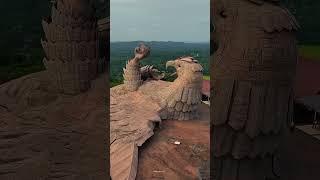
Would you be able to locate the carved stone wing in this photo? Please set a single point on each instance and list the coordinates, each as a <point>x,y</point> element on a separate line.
<point>151,72</point>
<point>182,104</point>
<point>132,116</point>
<point>278,19</point>
<point>249,119</point>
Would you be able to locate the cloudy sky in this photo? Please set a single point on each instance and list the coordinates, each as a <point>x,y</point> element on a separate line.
<point>160,20</point>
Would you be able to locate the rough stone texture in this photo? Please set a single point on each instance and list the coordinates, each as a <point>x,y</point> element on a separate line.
<point>181,98</point>
<point>204,170</point>
<point>131,112</point>
<point>46,135</point>
<point>178,100</point>
<point>252,98</point>
<point>71,45</point>
<point>104,26</point>
<point>132,116</point>
<point>130,125</point>
<point>151,72</point>
<point>136,105</point>
<point>124,160</point>
<point>132,74</point>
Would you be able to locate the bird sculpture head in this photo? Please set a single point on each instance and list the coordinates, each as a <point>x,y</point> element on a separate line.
<point>188,69</point>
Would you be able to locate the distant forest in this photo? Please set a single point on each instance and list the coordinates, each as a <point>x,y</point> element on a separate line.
<point>21,31</point>
<point>161,52</point>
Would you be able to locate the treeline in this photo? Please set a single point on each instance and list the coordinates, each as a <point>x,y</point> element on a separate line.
<point>161,52</point>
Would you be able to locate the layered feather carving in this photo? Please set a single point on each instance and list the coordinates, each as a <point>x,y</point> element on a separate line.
<point>182,104</point>
<point>71,46</point>
<point>149,71</point>
<point>254,119</point>
<point>252,99</point>
<point>182,98</point>
<point>278,19</point>
<point>132,72</point>
<point>132,76</point>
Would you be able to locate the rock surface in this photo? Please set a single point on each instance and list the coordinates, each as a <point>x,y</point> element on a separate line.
<point>133,118</point>
<point>47,135</point>
<point>142,100</point>
<point>160,158</point>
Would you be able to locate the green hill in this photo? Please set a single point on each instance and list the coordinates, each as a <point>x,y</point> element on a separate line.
<point>161,52</point>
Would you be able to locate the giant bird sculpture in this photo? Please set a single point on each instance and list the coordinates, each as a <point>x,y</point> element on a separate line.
<point>252,71</point>
<point>178,100</point>
<point>138,102</point>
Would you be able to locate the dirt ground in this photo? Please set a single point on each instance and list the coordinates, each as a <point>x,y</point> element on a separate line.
<point>160,158</point>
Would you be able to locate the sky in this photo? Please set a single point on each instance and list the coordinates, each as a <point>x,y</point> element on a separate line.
<point>160,20</point>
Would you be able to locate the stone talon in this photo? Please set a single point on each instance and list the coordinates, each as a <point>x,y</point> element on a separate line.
<point>141,52</point>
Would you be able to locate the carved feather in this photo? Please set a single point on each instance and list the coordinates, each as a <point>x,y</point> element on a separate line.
<point>185,95</point>
<point>171,103</point>
<point>281,116</point>
<point>45,47</point>
<point>255,116</point>
<point>178,95</point>
<point>185,107</point>
<point>222,138</point>
<point>164,114</point>
<point>278,20</point>
<point>46,30</point>
<point>69,52</point>
<point>54,13</point>
<point>52,50</point>
<point>222,100</point>
<point>176,115</point>
<point>181,117</point>
<point>240,106</point>
<point>187,116</point>
<point>270,107</point>
<point>265,117</point>
<point>179,106</point>
<point>190,94</point>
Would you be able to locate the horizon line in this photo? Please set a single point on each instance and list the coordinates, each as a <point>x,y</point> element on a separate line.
<point>162,41</point>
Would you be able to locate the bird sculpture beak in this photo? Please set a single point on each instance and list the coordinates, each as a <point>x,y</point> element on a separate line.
<point>170,63</point>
